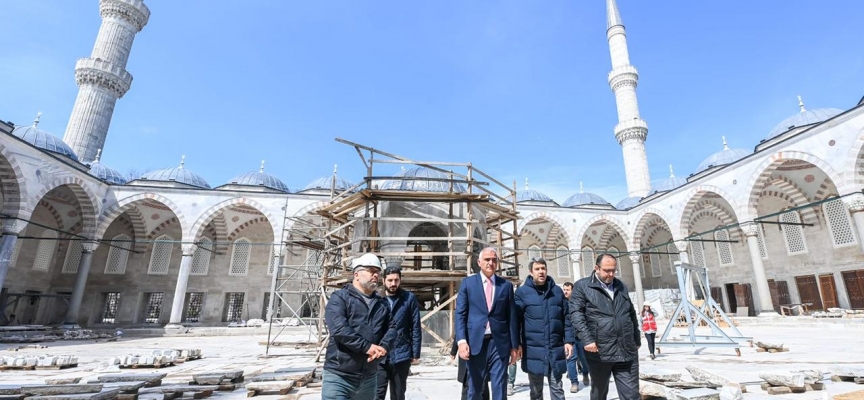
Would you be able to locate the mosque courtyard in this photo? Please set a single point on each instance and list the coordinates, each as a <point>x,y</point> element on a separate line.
<point>812,344</point>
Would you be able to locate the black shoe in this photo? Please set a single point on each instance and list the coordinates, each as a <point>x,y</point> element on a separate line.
<point>586,380</point>
<point>653,356</point>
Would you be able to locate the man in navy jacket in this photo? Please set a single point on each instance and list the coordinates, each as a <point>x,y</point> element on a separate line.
<point>486,327</point>
<point>405,314</point>
<point>361,334</point>
<point>547,337</point>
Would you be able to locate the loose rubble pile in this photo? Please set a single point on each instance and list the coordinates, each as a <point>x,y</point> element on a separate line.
<point>156,359</point>
<point>764,347</point>
<point>792,382</point>
<point>38,362</point>
<point>708,386</point>
<point>71,334</point>
<point>838,313</point>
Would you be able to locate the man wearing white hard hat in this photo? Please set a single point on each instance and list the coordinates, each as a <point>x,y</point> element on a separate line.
<point>360,334</point>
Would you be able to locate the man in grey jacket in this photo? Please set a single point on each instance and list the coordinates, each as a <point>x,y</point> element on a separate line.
<point>606,322</point>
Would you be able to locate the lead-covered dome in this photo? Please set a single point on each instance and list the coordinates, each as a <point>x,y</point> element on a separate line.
<point>628,203</point>
<point>527,195</point>
<point>583,199</point>
<point>104,173</point>
<point>803,118</point>
<point>665,185</point>
<point>422,179</point>
<point>722,157</point>
<point>43,140</point>
<point>260,179</point>
<point>324,183</point>
<point>177,174</point>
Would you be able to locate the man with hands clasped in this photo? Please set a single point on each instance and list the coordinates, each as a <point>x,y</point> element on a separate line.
<point>361,332</point>
<point>606,322</point>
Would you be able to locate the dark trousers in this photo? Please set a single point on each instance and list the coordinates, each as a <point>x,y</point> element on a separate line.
<point>395,376</point>
<point>487,365</point>
<point>485,390</point>
<point>649,337</point>
<point>626,379</point>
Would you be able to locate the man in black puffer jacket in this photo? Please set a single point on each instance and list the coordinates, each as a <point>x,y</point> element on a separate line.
<point>361,334</point>
<point>547,339</point>
<point>605,321</point>
<point>405,312</point>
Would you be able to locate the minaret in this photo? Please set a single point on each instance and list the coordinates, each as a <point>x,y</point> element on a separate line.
<point>631,130</point>
<point>102,78</point>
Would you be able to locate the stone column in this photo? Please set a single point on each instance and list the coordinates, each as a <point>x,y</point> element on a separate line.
<point>71,319</point>
<point>11,229</point>
<point>180,289</point>
<point>763,300</point>
<point>273,297</point>
<point>682,251</point>
<point>637,278</point>
<point>855,203</point>
<point>577,270</point>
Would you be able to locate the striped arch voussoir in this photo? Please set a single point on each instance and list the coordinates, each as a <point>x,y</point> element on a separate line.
<point>14,187</point>
<point>647,218</point>
<point>853,170</point>
<point>605,219</point>
<point>129,205</point>
<point>695,196</point>
<point>766,169</point>
<point>213,212</point>
<point>86,201</point>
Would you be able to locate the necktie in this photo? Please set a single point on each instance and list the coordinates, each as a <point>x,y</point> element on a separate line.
<point>488,298</point>
<point>489,294</point>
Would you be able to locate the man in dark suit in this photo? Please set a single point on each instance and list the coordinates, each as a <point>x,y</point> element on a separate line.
<point>487,331</point>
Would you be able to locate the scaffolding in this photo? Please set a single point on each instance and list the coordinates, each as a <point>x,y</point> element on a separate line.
<point>431,219</point>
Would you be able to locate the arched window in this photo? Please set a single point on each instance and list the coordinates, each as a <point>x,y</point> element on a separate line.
<point>274,258</point>
<point>793,235</point>
<point>160,257</point>
<point>18,244</point>
<point>45,251</point>
<point>724,249</point>
<point>534,251</point>
<point>201,258</point>
<point>562,261</point>
<point>839,223</point>
<point>656,269</point>
<point>672,249</point>
<point>698,254</point>
<point>587,260</point>
<point>760,239</point>
<point>73,258</point>
<point>240,253</point>
<point>118,255</point>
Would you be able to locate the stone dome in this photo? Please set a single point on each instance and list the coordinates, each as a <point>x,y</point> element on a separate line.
<point>260,178</point>
<point>416,180</point>
<point>628,203</point>
<point>582,199</point>
<point>722,157</point>
<point>803,118</point>
<point>177,174</point>
<point>104,173</point>
<point>323,183</point>
<point>43,140</point>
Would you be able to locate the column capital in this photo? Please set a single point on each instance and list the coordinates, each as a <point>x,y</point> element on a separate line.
<point>681,245</point>
<point>576,256</point>
<point>855,202</point>
<point>89,246</point>
<point>634,258</point>
<point>13,226</point>
<point>188,249</point>
<point>751,229</point>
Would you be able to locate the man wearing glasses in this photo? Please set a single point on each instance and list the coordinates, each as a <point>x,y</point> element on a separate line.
<point>605,321</point>
<point>486,327</point>
<point>361,333</point>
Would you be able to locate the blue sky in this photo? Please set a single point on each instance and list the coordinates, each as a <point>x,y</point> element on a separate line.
<point>518,88</point>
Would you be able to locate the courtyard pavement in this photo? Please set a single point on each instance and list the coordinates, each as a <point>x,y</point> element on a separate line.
<point>812,345</point>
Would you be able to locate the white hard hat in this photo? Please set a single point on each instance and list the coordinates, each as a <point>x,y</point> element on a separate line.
<point>366,260</point>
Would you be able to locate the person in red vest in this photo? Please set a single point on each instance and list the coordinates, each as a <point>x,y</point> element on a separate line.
<point>649,327</point>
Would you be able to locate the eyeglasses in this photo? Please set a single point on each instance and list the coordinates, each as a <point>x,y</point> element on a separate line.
<point>373,271</point>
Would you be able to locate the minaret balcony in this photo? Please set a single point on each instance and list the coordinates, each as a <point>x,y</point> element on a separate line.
<point>622,74</point>
<point>632,129</point>
<point>101,72</point>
